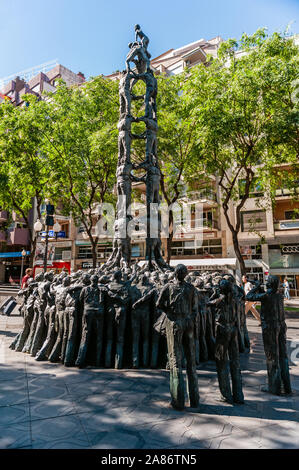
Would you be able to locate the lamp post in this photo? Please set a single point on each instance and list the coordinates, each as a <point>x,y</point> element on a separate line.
<point>38,226</point>
<point>24,253</point>
<point>56,228</point>
<point>49,222</point>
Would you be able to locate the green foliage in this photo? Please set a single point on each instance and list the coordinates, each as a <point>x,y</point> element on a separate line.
<point>246,103</point>
<point>83,146</point>
<point>24,166</point>
<point>247,109</point>
<point>178,144</point>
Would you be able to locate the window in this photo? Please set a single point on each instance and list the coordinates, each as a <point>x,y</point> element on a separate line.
<point>60,253</point>
<point>284,256</point>
<point>65,228</point>
<point>255,274</point>
<point>253,221</point>
<point>84,252</point>
<point>207,218</point>
<point>251,251</point>
<point>255,188</point>
<point>290,215</point>
<point>208,247</point>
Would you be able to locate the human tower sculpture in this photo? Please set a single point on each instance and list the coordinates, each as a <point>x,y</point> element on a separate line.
<point>121,255</point>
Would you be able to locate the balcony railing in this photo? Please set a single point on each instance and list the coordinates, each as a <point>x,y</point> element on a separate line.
<point>201,196</point>
<point>285,192</point>
<point>286,224</point>
<point>196,225</point>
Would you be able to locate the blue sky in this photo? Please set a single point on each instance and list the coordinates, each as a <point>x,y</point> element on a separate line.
<point>92,35</point>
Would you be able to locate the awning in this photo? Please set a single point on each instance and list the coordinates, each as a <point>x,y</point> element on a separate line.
<point>284,271</point>
<point>203,262</point>
<point>16,254</point>
<point>231,262</point>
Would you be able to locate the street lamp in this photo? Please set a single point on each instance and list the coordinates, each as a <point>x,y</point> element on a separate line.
<point>23,253</point>
<point>38,226</point>
<point>56,228</point>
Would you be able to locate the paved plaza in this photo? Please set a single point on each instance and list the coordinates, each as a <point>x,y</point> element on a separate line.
<point>47,406</point>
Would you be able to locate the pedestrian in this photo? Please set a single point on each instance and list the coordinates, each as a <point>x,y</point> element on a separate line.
<point>286,288</point>
<point>250,306</point>
<point>28,275</point>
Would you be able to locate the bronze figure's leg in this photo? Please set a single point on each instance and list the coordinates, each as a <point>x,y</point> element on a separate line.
<point>22,337</point>
<point>28,343</point>
<point>221,357</point>
<point>86,332</point>
<point>120,333</point>
<point>174,346</point>
<point>189,349</point>
<point>204,355</point>
<point>39,334</point>
<point>235,370</point>
<point>109,336</point>
<point>56,351</point>
<point>136,325</point>
<point>283,360</point>
<point>99,320</point>
<point>270,338</point>
<point>49,342</point>
<point>69,359</point>
<point>145,325</point>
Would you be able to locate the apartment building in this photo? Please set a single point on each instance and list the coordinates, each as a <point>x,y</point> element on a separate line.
<point>17,87</point>
<point>269,236</point>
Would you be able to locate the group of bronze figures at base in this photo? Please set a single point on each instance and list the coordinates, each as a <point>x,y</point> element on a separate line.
<point>121,317</point>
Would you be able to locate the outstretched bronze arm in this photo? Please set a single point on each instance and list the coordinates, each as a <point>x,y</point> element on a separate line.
<point>144,298</point>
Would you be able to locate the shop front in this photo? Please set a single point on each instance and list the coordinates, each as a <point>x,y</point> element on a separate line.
<point>56,266</point>
<point>12,265</point>
<point>284,262</point>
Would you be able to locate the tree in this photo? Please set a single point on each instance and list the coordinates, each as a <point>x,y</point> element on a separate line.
<point>24,167</point>
<point>178,143</point>
<point>82,143</point>
<point>247,117</point>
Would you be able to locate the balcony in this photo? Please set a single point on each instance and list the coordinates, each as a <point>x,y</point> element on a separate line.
<point>284,193</point>
<point>286,225</point>
<point>203,196</point>
<point>188,229</point>
<point>19,236</point>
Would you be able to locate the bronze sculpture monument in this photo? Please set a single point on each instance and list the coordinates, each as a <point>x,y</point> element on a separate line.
<point>119,314</point>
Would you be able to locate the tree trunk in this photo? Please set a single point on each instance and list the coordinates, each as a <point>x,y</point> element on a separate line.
<point>238,252</point>
<point>94,254</point>
<point>32,252</point>
<point>170,238</point>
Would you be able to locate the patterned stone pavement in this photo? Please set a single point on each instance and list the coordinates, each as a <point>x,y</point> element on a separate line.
<point>47,406</point>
